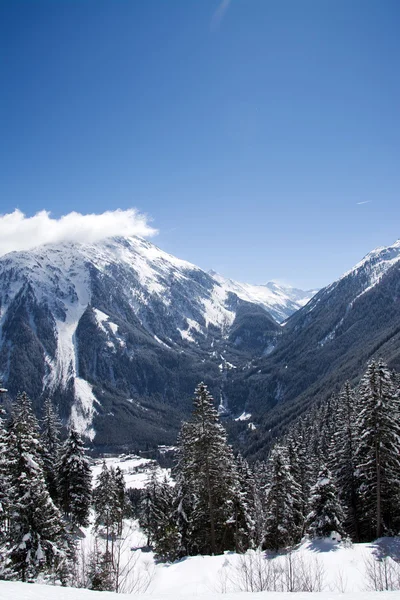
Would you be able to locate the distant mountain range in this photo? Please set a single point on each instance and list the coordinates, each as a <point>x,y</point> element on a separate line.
<point>281,301</point>
<point>119,332</point>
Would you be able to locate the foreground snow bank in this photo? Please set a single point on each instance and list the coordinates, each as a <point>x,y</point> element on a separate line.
<point>26,591</point>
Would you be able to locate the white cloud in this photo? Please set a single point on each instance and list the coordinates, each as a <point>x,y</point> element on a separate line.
<point>219,14</point>
<point>365,202</point>
<point>19,232</point>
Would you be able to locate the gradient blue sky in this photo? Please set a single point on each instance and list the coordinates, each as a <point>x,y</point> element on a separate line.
<point>250,136</point>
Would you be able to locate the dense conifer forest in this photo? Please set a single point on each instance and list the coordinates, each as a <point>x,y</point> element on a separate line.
<point>334,474</point>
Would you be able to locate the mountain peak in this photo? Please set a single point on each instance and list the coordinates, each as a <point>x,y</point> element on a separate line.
<point>279,300</point>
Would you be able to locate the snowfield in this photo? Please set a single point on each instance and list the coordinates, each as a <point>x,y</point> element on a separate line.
<point>26,591</point>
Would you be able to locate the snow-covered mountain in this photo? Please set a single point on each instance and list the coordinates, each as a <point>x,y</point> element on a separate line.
<point>280,301</point>
<point>328,341</point>
<point>105,327</point>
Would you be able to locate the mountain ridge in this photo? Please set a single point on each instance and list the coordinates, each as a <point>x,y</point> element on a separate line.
<point>119,321</point>
<point>279,300</point>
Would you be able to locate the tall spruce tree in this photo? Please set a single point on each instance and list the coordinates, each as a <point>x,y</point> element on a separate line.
<point>247,533</point>
<point>326,514</point>
<point>301,471</point>
<point>105,502</point>
<point>4,488</point>
<point>344,459</point>
<point>377,454</point>
<point>165,534</point>
<point>74,480</point>
<point>207,479</point>
<point>37,540</point>
<point>282,524</point>
<point>121,502</point>
<point>50,438</point>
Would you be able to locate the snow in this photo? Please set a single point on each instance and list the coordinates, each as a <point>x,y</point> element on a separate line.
<point>26,591</point>
<point>136,469</point>
<point>216,312</point>
<point>339,568</point>
<point>244,417</point>
<point>279,300</point>
<point>160,341</point>
<point>372,267</point>
<point>82,411</point>
<point>106,325</point>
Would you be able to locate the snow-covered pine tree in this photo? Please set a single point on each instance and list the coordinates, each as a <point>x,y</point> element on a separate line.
<point>282,516</point>
<point>74,480</point>
<point>50,438</point>
<point>105,501</point>
<point>326,514</point>
<point>344,459</point>
<point>37,540</point>
<point>121,502</point>
<point>210,479</point>
<point>262,482</point>
<point>166,539</point>
<point>184,490</point>
<point>4,472</point>
<point>377,454</point>
<point>146,513</point>
<point>248,534</point>
<point>301,469</point>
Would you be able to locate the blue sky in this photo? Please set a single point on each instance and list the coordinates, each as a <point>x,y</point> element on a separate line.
<point>250,130</point>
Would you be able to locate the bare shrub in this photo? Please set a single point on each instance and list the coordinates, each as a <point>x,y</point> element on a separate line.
<point>382,574</point>
<point>117,569</point>
<point>257,572</point>
<point>340,583</point>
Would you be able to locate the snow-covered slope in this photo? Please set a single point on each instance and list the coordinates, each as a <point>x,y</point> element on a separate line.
<point>281,301</point>
<point>330,340</point>
<point>26,591</point>
<point>112,319</point>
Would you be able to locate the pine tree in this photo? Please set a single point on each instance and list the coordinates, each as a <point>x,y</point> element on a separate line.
<point>184,489</point>
<point>4,488</point>
<point>74,481</point>
<point>121,502</point>
<point>326,515</point>
<point>301,471</point>
<point>37,539</point>
<point>247,534</point>
<point>207,480</point>
<point>105,501</point>
<point>378,459</point>
<point>165,533</point>
<point>50,438</point>
<point>346,439</point>
<point>282,518</point>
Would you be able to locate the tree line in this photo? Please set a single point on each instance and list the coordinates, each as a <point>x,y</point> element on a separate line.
<point>335,473</point>
<point>46,497</point>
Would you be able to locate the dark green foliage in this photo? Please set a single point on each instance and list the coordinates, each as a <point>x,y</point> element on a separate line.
<point>377,455</point>
<point>74,481</point>
<point>358,435</point>
<point>158,518</point>
<point>37,540</point>
<point>345,460</point>
<point>282,523</point>
<point>326,515</point>
<point>50,438</point>
<point>207,482</point>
